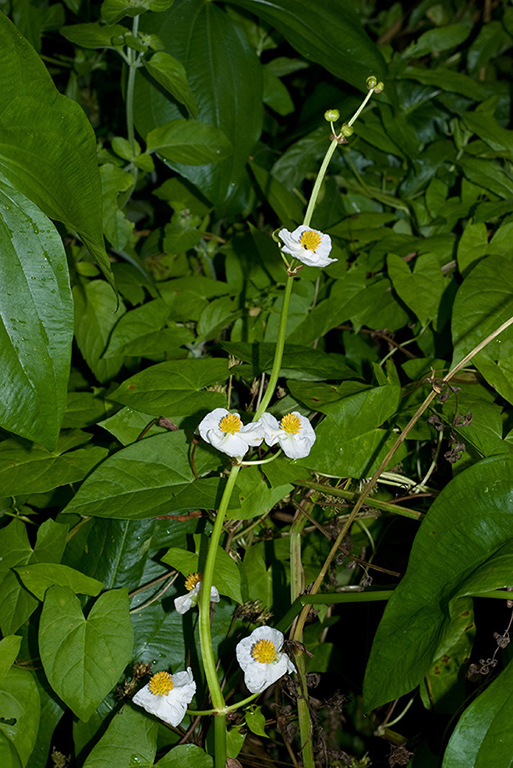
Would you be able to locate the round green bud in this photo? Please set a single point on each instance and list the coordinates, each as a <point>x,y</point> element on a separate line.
<point>380,87</point>
<point>346,130</point>
<point>331,115</point>
<point>371,82</point>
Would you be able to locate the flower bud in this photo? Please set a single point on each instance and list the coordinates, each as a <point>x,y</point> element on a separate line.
<point>346,130</point>
<point>380,87</point>
<point>371,82</point>
<point>331,115</point>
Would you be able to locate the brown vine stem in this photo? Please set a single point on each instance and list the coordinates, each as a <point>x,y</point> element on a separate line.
<point>374,479</point>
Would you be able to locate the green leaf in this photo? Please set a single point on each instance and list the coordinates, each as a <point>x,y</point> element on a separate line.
<point>189,142</point>
<point>47,144</point>
<point>448,80</point>
<point>114,10</point>
<point>472,246</point>
<point>96,313</point>
<point>488,174</point>
<point>463,547</point>
<point>143,480</point>
<point>253,496</point>
<point>94,35</point>
<point>83,658</point>
<point>39,577</point>
<point>483,737</point>
<point>483,302</point>
<point>438,39</point>
<point>234,742</point>
<point>136,325</point>
<point>171,75</point>
<point>36,325</point>
<point>349,443</point>
<point>20,708</point>
<point>422,289</point>
<point>255,721</point>
<point>330,34</point>
<point>28,468</point>
<point>185,755</point>
<point>118,229</point>
<point>227,89</point>
<point>299,362</point>
<point>130,739</point>
<point>9,649</point>
<point>174,388</point>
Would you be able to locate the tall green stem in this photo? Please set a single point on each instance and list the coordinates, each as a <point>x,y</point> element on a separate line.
<point>278,354</point>
<point>318,182</point>
<point>132,68</point>
<point>207,654</point>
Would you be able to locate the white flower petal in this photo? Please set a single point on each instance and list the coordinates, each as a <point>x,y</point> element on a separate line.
<point>318,257</point>
<point>170,708</point>
<point>185,602</point>
<point>236,444</point>
<point>260,675</point>
<point>271,429</point>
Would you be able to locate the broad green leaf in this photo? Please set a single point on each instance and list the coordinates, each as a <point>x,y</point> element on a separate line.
<point>47,145</point>
<point>29,468</point>
<point>143,480</point>
<point>438,39</point>
<point>488,174</point>
<point>285,204</point>
<point>349,443</point>
<point>174,388</point>
<point>447,79</point>
<point>483,736</point>
<point>114,10</point>
<point>189,142</point>
<point>36,325</point>
<point>227,89</point>
<point>330,34</point>
<point>218,314</point>
<point>52,711</point>
<point>86,408</point>
<point>298,362</point>
<point>39,577</point>
<point>96,313</point>
<point>422,289</point>
<point>94,35</point>
<point>83,658</point>
<point>9,648</point>
<point>171,75</point>
<point>20,708</point>
<point>472,246</point>
<point>118,229</point>
<point>253,496</point>
<point>128,425</point>
<point>463,547</point>
<point>16,602</point>
<point>487,128</point>
<point>137,324</point>
<point>130,739</point>
<point>484,301</point>
<point>185,755</point>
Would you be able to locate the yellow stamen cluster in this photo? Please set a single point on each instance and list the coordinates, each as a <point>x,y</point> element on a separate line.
<point>161,683</point>
<point>291,423</point>
<point>193,579</point>
<point>264,651</point>
<point>310,240</point>
<point>230,424</point>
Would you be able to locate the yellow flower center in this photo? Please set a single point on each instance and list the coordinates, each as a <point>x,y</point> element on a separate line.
<point>193,579</point>
<point>230,423</point>
<point>310,240</point>
<point>264,651</point>
<point>161,684</point>
<point>291,423</point>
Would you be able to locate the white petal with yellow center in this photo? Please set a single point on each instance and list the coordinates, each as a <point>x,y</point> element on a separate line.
<point>307,245</point>
<point>294,434</point>
<point>185,602</point>
<point>226,432</point>
<point>171,706</point>
<point>261,659</point>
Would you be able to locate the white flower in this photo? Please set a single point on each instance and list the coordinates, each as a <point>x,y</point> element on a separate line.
<point>294,433</point>
<point>260,658</point>
<point>225,431</point>
<point>193,584</point>
<point>307,245</point>
<point>167,696</point>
